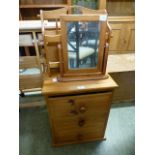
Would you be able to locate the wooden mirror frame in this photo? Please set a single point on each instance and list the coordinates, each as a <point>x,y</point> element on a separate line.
<point>99,71</point>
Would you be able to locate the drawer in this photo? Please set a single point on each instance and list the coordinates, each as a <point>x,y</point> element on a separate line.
<point>79,122</point>
<point>73,106</point>
<point>25,40</point>
<point>78,135</point>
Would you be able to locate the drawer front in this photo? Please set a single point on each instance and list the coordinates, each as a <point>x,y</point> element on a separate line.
<point>79,122</point>
<point>78,135</point>
<point>25,40</point>
<point>67,107</point>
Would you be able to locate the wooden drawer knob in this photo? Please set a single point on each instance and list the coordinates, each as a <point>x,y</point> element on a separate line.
<point>71,101</point>
<point>81,122</point>
<point>82,109</point>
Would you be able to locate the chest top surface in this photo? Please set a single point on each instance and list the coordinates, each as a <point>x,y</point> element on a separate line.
<point>51,86</point>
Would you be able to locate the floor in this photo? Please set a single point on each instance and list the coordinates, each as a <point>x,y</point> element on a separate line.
<point>35,136</point>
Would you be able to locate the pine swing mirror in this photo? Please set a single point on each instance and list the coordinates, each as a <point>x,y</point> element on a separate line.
<point>83,54</point>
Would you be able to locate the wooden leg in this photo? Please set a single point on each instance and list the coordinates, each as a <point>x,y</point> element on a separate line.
<point>49,71</point>
<point>27,51</point>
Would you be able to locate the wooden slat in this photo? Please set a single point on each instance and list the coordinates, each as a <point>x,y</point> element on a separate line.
<point>121,19</point>
<point>54,64</point>
<point>31,104</point>
<point>89,11</point>
<point>28,62</point>
<point>37,49</point>
<point>102,4</point>
<point>43,6</point>
<point>52,39</point>
<point>69,2</point>
<point>51,32</point>
<point>30,81</point>
<point>31,90</point>
<point>54,14</point>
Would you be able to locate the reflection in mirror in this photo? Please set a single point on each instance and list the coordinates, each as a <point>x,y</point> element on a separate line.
<point>83,42</point>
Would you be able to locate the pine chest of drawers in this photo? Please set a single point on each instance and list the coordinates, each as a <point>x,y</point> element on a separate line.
<point>78,111</point>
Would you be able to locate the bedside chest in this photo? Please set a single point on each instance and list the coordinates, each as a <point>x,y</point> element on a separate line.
<point>78,111</point>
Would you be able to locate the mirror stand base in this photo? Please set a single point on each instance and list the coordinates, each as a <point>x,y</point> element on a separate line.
<point>83,78</point>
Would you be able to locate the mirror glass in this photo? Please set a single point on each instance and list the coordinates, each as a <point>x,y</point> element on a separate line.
<point>82,44</point>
